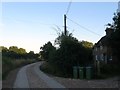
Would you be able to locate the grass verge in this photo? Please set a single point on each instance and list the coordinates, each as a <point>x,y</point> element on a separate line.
<point>9,64</point>
<point>51,69</point>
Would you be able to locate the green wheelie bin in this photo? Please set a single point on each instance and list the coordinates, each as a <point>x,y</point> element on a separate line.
<point>81,72</point>
<point>88,72</point>
<point>75,72</point>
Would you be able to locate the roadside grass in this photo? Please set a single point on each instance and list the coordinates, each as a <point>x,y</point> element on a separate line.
<point>51,69</point>
<point>9,64</point>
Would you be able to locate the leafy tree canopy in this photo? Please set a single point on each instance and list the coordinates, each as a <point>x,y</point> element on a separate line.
<point>87,44</point>
<point>3,48</point>
<point>46,49</point>
<point>70,53</point>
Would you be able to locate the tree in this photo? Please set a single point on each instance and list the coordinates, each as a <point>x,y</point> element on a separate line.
<point>87,44</point>
<point>61,37</point>
<point>71,53</point>
<point>18,53</point>
<point>114,39</point>
<point>22,51</point>
<point>31,55</point>
<point>4,48</point>
<point>14,49</point>
<point>4,51</point>
<point>88,49</point>
<point>45,50</point>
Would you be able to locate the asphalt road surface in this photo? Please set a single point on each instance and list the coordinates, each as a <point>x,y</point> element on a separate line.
<point>30,76</point>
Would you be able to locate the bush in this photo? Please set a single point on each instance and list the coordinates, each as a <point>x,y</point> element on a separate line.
<point>110,70</point>
<point>51,69</point>
<point>70,53</point>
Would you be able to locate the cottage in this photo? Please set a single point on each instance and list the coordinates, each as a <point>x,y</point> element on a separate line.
<point>102,51</point>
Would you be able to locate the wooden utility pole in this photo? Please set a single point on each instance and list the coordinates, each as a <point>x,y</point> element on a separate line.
<point>65,28</point>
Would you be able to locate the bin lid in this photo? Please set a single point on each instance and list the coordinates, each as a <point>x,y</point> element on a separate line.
<point>89,67</point>
<point>80,67</point>
<point>74,66</point>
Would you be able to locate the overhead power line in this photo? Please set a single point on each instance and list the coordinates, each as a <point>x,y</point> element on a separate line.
<point>83,27</point>
<point>28,21</point>
<point>68,7</point>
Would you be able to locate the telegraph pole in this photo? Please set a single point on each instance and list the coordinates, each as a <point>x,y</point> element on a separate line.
<point>65,28</point>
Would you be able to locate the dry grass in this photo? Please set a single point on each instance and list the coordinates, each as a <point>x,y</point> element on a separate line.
<point>9,64</point>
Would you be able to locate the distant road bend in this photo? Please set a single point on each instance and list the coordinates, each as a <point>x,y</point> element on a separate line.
<point>30,76</point>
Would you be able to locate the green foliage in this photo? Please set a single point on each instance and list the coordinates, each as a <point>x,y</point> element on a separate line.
<point>15,57</point>
<point>14,49</point>
<point>32,55</point>
<point>3,48</point>
<point>51,69</point>
<point>87,44</point>
<point>114,43</point>
<point>18,53</point>
<point>110,70</point>
<point>70,53</point>
<point>45,50</point>
<point>114,39</point>
<point>61,37</point>
<point>22,51</point>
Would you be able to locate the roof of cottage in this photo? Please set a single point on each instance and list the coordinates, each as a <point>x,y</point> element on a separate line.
<point>104,40</point>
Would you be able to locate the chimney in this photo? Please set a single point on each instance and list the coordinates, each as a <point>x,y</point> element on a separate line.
<point>109,31</point>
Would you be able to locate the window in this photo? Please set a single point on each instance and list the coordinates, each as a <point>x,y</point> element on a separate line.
<point>102,57</point>
<point>106,59</point>
<point>96,49</point>
<point>96,57</point>
<point>110,58</point>
<point>101,47</point>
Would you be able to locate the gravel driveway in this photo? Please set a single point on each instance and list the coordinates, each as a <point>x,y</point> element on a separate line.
<point>76,83</point>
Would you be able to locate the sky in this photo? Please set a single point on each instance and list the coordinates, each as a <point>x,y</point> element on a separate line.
<point>32,24</point>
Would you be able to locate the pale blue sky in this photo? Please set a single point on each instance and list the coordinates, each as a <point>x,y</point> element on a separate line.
<point>30,25</point>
